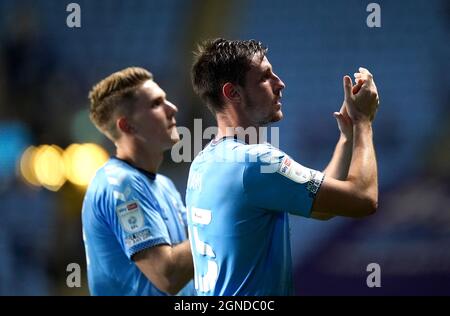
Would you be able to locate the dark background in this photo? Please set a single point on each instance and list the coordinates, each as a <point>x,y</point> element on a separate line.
<point>47,69</point>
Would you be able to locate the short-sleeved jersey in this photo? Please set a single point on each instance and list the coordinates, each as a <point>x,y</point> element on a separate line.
<point>126,210</point>
<point>238,199</point>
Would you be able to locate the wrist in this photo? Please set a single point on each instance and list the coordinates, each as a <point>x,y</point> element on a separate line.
<point>346,139</point>
<point>362,127</point>
<point>364,123</point>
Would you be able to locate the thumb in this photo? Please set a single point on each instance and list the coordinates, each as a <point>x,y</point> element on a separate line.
<point>337,116</point>
<point>347,82</point>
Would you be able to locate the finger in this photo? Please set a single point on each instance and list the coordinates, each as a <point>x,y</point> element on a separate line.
<point>364,71</point>
<point>347,82</point>
<point>360,76</point>
<point>358,86</point>
<point>367,84</point>
<point>339,118</point>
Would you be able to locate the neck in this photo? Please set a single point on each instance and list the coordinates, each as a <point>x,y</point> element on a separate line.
<point>140,157</point>
<point>230,124</point>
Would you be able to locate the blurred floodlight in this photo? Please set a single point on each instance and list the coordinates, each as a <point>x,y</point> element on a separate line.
<point>48,167</point>
<point>82,161</point>
<point>26,166</point>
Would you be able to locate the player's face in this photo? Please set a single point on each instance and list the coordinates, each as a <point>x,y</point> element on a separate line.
<point>262,93</point>
<point>153,119</point>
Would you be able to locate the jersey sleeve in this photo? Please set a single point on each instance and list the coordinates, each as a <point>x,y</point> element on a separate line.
<point>272,180</point>
<point>135,217</point>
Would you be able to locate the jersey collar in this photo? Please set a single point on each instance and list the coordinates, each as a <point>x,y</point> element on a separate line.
<point>150,175</point>
<point>215,141</point>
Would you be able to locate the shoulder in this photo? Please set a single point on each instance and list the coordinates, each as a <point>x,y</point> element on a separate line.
<point>264,153</point>
<point>117,179</point>
<point>166,182</point>
<point>233,150</point>
<point>263,160</point>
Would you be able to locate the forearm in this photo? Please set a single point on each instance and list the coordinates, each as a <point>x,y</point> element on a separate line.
<point>337,169</point>
<point>363,166</point>
<point>169,268</point>
<point>182,265</point>
<point>340,162</point>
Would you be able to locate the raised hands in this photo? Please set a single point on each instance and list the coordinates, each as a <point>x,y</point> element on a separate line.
<point>344,122</point>
<point>361,100</point>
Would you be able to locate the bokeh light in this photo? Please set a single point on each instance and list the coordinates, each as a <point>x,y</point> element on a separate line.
<point>26,166</point>
<point>48,167</point>
<point>82,161</point>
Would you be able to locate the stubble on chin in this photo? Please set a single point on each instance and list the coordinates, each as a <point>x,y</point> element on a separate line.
<point>274,117</point>
<point>174,136</point>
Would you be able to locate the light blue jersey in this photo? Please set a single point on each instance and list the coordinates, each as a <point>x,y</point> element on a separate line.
<point>238,199</point>
<point>126,210</point>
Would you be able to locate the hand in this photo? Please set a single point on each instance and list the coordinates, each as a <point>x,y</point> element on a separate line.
<point>344,122</point>
<point>361,99</point>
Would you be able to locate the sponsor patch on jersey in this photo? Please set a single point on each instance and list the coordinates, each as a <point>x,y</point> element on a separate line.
<point>201,216</point>
<point>294,171</point>
<point>130,216</point>
<point>138,237</point>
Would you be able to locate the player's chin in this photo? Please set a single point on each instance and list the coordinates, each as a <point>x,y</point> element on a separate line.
<point>174,137</point>
<point>170,143</point>
<point>277,116</point>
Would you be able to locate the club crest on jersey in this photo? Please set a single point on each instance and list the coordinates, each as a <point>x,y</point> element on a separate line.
<point>130,216</point>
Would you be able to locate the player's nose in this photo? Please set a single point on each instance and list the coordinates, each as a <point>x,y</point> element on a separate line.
<point>170,108</point>
<point>279,84</point>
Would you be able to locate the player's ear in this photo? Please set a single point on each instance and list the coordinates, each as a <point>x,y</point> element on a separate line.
<point>231,93</point>
<point>124,125</point>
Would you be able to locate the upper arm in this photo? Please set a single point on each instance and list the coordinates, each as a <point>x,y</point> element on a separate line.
<point>277,182</point>
<point>135,218</point>
<point>321,216</point>
<point>342,198</point>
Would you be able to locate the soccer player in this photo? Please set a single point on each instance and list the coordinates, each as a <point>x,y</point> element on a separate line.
<point>134,221</point>
<point>240,191</point>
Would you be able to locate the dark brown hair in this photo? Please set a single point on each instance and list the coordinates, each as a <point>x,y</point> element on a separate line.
<point>219,61</point>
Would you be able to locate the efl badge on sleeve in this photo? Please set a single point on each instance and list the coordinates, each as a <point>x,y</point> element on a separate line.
<point>130,216</point>
<point>295,171</point>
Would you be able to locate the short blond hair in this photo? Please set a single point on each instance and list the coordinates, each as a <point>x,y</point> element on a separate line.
<point>112,95</point>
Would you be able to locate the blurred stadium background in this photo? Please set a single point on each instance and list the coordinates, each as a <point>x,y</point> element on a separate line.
<point>49,149</point>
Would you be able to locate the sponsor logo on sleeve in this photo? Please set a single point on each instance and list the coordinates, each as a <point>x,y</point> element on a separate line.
<point>138,237</point>
<point>294,171</point>
<point>130,216</point>
<point>315,182</point>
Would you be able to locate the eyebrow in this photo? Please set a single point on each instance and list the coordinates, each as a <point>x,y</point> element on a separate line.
<point>160,97</point>
<point>266,70</point>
